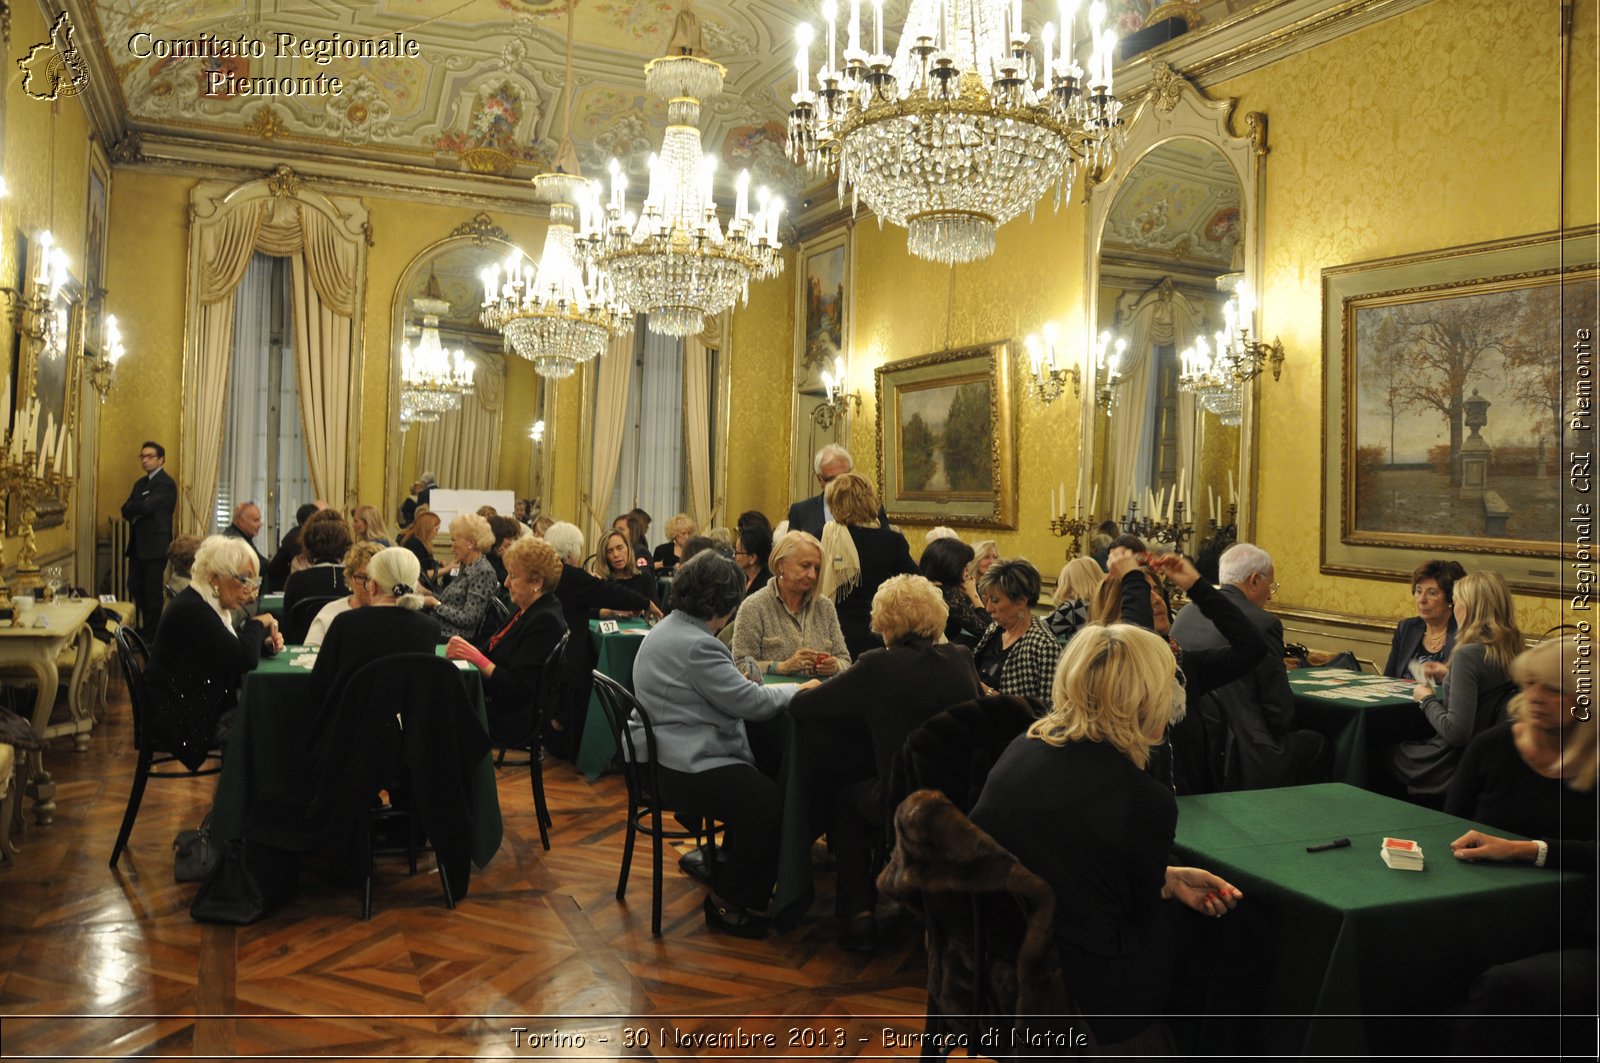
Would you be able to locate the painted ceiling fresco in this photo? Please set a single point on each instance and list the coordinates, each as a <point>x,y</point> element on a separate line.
<point>478,86</point>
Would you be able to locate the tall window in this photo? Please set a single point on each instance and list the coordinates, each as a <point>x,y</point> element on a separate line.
<point>652,471</point>
<point>263,447</point>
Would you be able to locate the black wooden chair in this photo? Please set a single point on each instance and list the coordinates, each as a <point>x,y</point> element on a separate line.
<point>496,615</point>
<point>298,623</point>
<point>133,655</point>
<point>550,689</point>
<point>644,802</point>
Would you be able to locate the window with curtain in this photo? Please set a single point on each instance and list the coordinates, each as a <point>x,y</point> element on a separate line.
<point>263,444</point>
<point>653,462</point>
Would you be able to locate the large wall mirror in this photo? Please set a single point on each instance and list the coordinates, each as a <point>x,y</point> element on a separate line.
<point>462,447</point>
<point>1175,229</point>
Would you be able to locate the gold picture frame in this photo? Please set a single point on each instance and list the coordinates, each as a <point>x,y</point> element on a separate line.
<point>1447,394</point>
<point>921,480</point>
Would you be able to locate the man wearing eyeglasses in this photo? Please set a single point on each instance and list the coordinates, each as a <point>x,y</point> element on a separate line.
<point>149,512</point>
<point>810,514</point>
<point>1258,709</point>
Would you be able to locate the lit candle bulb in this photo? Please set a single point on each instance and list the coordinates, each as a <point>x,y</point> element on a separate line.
<point>777,211</point>
<point>803,35</point>
<point>1069,13</point>
<point>741,203</point>
<point>853,42</point>
<point>877,27</point>
<point>1048,35</point>
<point>830,12</point>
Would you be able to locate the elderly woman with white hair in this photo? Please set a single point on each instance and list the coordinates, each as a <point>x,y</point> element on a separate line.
<point>199,656</point>
<point>1071,799</point>
<point>392,621</point>
<point>583,598</point>
<point>850,728</point>
<point>460,606</point>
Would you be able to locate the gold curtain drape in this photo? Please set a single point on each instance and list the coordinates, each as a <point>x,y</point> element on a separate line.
<point>462,448</point>
<point>613,376</point>
<point>697,424</point>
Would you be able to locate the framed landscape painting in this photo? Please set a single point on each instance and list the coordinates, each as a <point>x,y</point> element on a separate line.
<point>1448,395</point>
<point>946,452</point>
<point>823,309</point>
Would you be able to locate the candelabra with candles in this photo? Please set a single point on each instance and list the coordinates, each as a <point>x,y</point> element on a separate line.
<point>103,369</point>
<point>839,404</point>
<point>1046,380</point>
<point>1217,376</point>
<point>1108,352</point>
<point>26,476</point>
<point>1062,526</point>
<point>1173,529</point>
<point>41,315</point>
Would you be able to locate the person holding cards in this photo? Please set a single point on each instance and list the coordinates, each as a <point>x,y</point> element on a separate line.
<point>1474,694</point>
<point>1071,799</point>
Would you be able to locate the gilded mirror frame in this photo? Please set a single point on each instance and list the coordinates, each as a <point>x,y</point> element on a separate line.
<point>1174,108</point>
<point>496,244</point>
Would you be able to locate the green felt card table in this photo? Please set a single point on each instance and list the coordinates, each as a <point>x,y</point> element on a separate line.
<point>1333,934</point>
<point>1356,714</point>
<point>266,750</point>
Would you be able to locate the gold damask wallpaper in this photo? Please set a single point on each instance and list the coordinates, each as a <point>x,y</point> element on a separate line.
<point>906,307</point>
<point>761,367</point>
<point>1415,158</point>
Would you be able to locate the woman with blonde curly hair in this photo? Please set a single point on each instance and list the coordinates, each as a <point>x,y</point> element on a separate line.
<point>1071,800</point>
<point>888,693</point>
<point>460,606</point>
<point>1467,698</point>
<point>680,529</point>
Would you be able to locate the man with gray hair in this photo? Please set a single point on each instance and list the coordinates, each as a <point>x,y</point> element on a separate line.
<point>246,524</point>
<point>1254,714</point>
<point>810,514</point>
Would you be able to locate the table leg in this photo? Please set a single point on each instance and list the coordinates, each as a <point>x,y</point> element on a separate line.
<point>42,787</point>
<point>78,695</point>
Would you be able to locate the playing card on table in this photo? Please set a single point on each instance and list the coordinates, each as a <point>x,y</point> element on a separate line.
<point>1401,854</point>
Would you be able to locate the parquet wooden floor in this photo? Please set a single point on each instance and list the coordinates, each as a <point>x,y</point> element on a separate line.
<point>95,963</point>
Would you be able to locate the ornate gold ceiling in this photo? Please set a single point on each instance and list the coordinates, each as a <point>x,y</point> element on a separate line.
<point>482,94</point>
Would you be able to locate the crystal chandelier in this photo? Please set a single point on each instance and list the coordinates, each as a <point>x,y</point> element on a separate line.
<point>432,380</point>
<point>674,262</point>
<point>1217,377</point>
<point>965,127</point>
<point>560,313</point>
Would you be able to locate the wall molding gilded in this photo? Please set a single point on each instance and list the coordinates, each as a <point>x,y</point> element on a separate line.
<point>155,153</point>
<point>1255,39</point>
<point>482,229</point>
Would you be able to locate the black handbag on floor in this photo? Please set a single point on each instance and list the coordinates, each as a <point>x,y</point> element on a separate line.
<point>250,882</point>
<point>195,853</point>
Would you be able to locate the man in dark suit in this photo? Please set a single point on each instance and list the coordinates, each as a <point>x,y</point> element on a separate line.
<point>810,514</point>
<point>149,510</point>
<point>1256,712</point>
<point>246,525</point>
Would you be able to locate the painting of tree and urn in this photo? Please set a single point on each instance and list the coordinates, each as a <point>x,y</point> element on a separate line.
<point>1457,394</point>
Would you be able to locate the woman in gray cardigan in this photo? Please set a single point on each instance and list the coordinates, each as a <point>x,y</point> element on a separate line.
<point>698,702</point>
<point>1469,696</point>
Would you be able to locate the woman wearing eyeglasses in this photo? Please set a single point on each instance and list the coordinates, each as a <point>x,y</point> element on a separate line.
<point>356,560</point>
<point>199,657</point>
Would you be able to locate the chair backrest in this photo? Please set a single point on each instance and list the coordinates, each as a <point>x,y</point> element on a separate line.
<point>495,616</point>
<point>552,678</point>
<point>437,736</point>
<point>133,655</point>
<point>990,921</point>
<point>298,623</point>
<point>620,706</point>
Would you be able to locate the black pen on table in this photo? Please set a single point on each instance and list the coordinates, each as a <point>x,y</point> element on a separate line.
<point>1322,847</point>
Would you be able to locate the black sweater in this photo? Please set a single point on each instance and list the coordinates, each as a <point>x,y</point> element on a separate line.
<point>1098,830</point>
<point>1185,760</point>
<point>883,553</point>
<point>360,637</point>
<point>193,677</point>
<point>1494,786</point>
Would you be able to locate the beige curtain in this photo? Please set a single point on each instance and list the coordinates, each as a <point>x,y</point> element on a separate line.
<point>324,266</point>
<point>323,297</point>
<point>697,426</point>
<point>225,247</point>
<point>1161,316</point>
<point>462,447</point>
<point>613,376</point>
